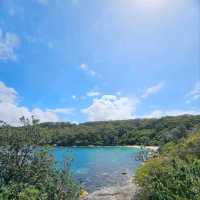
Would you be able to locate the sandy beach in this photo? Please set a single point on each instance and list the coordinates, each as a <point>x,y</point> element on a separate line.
<point>154,148</point>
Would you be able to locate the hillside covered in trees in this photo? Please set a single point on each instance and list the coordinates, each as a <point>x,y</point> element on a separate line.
<point>174,174</point>
<point>125,132</point>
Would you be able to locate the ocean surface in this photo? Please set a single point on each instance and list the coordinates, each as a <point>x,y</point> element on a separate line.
<point>97,167</point>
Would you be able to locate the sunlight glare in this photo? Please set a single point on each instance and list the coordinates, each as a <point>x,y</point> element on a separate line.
<point>151,5</point>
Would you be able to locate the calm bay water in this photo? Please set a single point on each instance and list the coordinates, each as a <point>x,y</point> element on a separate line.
<point>96,167</point>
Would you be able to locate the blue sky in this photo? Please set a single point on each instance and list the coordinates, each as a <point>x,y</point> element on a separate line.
<point>80,60</point>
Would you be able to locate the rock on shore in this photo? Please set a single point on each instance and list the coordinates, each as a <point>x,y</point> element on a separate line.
<point>126,192</point>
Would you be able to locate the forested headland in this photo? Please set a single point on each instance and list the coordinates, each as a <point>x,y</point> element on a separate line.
<point>108,133</point>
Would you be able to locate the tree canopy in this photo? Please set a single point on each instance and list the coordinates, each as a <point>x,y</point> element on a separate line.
<point>125,132</point>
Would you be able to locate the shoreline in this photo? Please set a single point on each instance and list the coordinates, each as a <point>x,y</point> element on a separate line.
<point>153,148</point>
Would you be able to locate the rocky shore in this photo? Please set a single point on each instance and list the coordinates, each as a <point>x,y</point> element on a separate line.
<point>126,192</point>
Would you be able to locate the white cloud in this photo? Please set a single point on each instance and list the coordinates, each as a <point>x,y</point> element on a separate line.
<point>161,113</point>
<point>194,94</point>
<point>10,111</point>
<point>75,122</point>
<point>93,93</point>
<point>45,115</point>
<point>111,107</point>
<point>153,90</point>
<point>87,69</point>
<point>153,114</point>
<point>7,94</point>
<point>8,43</point>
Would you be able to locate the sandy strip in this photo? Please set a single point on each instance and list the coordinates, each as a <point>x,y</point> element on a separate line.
<point>154,148</point>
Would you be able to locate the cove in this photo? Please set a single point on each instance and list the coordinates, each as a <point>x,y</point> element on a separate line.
<point>97,167</point>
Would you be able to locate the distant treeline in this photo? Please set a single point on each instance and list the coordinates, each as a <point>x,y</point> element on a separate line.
<point>125,132</point>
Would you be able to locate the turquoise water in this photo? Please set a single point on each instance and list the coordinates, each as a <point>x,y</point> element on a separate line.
<point>96,167</point>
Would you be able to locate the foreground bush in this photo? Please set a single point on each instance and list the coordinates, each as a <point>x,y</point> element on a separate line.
<point>175,174</point>
<point>28,172</point>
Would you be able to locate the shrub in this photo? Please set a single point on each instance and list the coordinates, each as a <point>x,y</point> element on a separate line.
<point>28,172</point>
<point>174,175</point>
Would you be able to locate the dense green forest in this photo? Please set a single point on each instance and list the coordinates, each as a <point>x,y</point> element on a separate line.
<point>125,132</point>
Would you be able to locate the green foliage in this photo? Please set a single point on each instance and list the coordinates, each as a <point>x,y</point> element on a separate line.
<point>186,147</point>
<point>28,172</point>
<point>125,132</point>
<point>31,193</point>
<point>174,174</point>
<point>22,192</point>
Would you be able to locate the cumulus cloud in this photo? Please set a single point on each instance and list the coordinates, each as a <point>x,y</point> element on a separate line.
<point>8,43</point>
<point>10,111</point>
<point>194,94</point>
<point>7,94</point>
<point>153,90</point>
<point>111,107</point>
<point>84,67</point>
<point>161,113</point>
